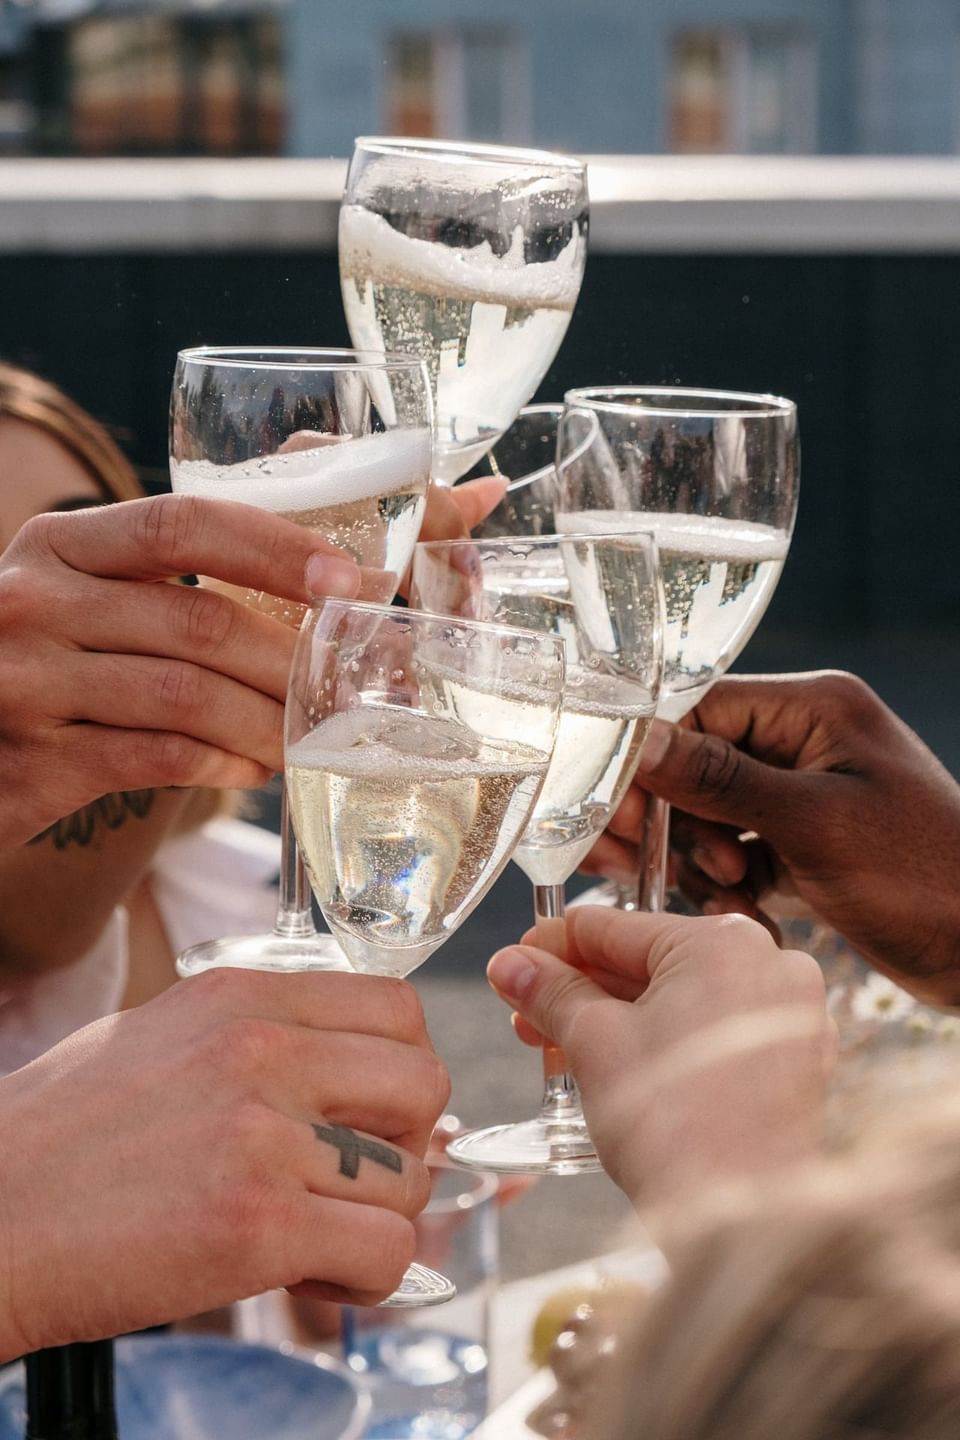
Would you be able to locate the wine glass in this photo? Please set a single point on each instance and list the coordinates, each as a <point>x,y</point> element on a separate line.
<point>602,595</point>
<point>470,256</point>
<point>714,475</point>
<point>339,441</point>
<point>525,455</point>
<point>416,748</point>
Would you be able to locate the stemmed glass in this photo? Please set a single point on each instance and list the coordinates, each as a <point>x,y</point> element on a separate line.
<point>339,441</point>
<point>525,455</point>
<point>602,595</point>
<point>416,748</point>
<point>470,256</point>
<point>714,475</point>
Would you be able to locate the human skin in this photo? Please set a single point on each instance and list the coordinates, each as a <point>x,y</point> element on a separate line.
<point>57,894</point>
<point>701,1050</point>
<point>808,788</point>
<point>243,1131</point>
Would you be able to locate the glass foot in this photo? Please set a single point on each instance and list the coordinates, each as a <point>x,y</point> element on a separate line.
<point>531,1147</point>
<point>420,1286</point>
<point>264,952</point>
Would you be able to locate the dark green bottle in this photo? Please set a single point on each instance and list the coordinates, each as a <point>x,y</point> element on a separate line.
<point>70,1393</point>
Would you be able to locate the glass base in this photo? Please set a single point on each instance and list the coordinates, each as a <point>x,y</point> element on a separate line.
<point>530,1147</point>
<point>264,952</point>
<point>420,1286</point>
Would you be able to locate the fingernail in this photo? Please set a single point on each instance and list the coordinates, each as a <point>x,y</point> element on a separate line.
<point>512,973</point>
<point>332,575</point>
<point>656,744</point>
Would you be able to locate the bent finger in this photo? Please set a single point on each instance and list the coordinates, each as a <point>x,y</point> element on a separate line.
<point>169,535</point>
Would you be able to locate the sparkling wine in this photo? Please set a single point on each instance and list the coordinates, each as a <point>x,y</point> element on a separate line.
<point>604,717</point>
<point>603,724</point>
<point>366,495</point>
<point>405,820</point>
<point>486,325</point>
<point>718,577</point>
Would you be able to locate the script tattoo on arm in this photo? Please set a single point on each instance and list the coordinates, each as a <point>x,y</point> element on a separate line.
<point>107,813</point>
<point>353,1148</point>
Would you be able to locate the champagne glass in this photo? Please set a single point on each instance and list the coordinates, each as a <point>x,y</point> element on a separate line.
<point>525,455</point>
<point>714,475</point>
<point>470,256</point>
<point>602,595</point>
<point>339,441</point>
<point>416,748</point>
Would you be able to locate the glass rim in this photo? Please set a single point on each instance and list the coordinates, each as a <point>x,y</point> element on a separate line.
<point>470,150</point>
<point>404,612</point>
<point>291,357</point>
<point>502,542</point>
<point>553,408</point>
<point>616,398</point>
<point>485,1188</point>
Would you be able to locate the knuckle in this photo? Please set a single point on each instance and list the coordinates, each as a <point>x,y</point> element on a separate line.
<point>434,1088</point>
<point>179,689</point>
<point>247,1212</point>
<point>242,1046</point>
<point>169,756</point>
<point>416,1188</point>
<point>206,622</point>
<point>168,528</point>
<point>846,692</point>
<point>716,767</point>
<point>404,1009</point>
<point>397,1244</point>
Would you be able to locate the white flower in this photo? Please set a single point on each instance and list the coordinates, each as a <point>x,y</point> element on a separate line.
<point>879,999</point>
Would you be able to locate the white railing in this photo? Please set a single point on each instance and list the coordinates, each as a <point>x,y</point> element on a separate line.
<point>652,204</point>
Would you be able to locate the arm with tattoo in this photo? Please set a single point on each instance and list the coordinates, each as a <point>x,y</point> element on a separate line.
<point>58,892</point>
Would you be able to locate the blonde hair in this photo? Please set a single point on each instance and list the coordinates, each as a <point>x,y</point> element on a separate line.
<point>824,1305</point>
<point>25,396</point>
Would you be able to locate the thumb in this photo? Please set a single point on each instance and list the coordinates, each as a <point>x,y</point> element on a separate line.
<point>549,994</point>
<point>708,776</point>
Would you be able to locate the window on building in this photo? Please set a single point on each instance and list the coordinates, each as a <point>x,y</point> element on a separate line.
<point>467,83</point>
<point>152,84</point>
<point>741,90</point>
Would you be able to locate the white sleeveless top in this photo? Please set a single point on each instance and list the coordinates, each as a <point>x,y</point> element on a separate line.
<point>216,880</point>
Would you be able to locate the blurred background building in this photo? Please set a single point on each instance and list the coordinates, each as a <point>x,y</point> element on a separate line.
<point>303,77</point>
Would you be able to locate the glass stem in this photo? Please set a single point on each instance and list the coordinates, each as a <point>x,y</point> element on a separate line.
<point>294,914</point>
<point>654,847</point>
<point>561,1098</point>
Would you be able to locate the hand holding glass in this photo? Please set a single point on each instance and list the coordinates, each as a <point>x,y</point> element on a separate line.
<point>713,475</point>
<point>601,595</point>
<point>416,748</point>
<point>340,442</point>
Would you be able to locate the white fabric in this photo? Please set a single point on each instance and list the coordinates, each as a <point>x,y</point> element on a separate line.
<point>217,880</point>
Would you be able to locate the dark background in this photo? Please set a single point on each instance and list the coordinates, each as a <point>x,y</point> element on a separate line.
<point>867,346</point>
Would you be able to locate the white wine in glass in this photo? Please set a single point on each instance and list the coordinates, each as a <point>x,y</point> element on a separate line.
<point>416,748</point>
<point>601,595</point>
<point>714,476</point>
<point>340,442</point>
<point>472,257</point>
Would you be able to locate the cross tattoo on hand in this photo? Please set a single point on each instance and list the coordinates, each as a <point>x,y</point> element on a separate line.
<point>354,1147</point>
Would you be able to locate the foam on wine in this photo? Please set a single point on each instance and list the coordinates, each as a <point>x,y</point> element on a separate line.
<point>309,479</point>
<point>371,249</point>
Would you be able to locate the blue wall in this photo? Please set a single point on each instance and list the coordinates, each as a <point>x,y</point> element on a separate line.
<point>888,72</point>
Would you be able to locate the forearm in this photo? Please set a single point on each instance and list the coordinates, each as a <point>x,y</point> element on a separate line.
<point>57,893</point>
